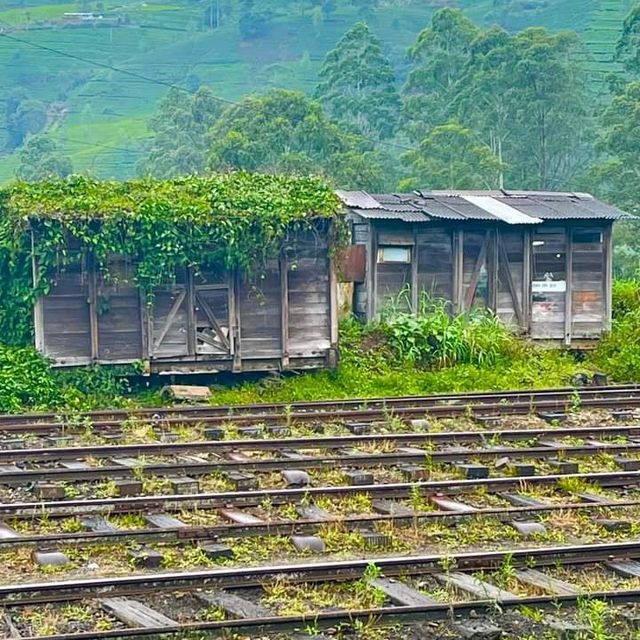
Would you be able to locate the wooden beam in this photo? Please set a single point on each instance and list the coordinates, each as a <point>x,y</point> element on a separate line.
<point>568,306</point>
<point>191,311</point>
<point>492,270</point>
<point>284,309</point>
<point>527,276</point>
<point>373,262</point>
<point>458,270</point>
<point>333,304</point>
<point>475,274</point>
<point>237,355</point>
<point>231,310</point>
<point>414,271</point>
<point>92,283</point>
<point>38,309</point>
<point>607,248</point>
<point>503,262</point>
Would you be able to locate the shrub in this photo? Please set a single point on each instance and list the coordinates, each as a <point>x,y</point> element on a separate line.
<point>619,353</point>
<point>626,297</point>
<point>26,380</point>
<point>435,337</point>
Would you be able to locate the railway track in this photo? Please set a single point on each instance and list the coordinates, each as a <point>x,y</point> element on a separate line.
<point>172,460</point>
<point>518,491</point>
<point>477,575</point>
<point>449,405</point>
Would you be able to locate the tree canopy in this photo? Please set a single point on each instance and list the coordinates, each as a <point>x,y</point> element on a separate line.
<point>357,84</point>
<point>286,132</point>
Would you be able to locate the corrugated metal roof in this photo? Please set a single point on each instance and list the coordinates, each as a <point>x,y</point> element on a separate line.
<point>385,214</point>
<point>501,210</point>
<point>511,207</point>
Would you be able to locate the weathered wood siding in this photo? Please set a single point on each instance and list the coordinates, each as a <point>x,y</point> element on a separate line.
<point>587,282</point>
<point>65,330</point>
<point>309,305</point>
<point>552,281</point>
<point>511,280</point>
<point>280,318</point>
<point>261,314</point>
<point>361,234</point>
<point>549,255</point>
<point>434,249</point>
<point>119,315</point>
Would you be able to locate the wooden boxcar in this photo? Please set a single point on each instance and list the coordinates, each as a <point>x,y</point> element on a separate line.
<point>215,320</point>
<point>541,261</point>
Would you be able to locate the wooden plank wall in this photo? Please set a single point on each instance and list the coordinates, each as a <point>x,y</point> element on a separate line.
<point>309,303</point>
<point>261,314</point>
<point>435,262</point>
<point>361,234</point>
<point>549,248</point>
<point>511,284</point>
<point>286,313</point>
<point>588,283</point>
<point>119,314</point>
<point>66,332</point>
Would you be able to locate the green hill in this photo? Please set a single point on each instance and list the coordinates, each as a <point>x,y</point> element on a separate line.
<point>98,113</point>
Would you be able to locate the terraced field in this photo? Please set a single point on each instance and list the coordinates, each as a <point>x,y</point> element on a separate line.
<point>104,112</point>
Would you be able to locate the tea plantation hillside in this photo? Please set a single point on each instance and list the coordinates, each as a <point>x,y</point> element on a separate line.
<point>100,76</point>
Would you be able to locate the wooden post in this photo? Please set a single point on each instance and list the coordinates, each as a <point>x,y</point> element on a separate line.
<point>191,312</point>
<point>493,260</point>
<point>237,354</point>
<point>231,303</point>
<point>568,307</point>
<point>458,270</point>
<point>284,309</point>
<point>93,307</point>
<point>414,271</point>
<point>526,280</point>
<point>373,268</point>
<point>38,309</point>
<point>607,248</point>
<point>333,304</point>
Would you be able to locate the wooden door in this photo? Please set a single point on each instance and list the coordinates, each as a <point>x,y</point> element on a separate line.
<point>169,319</point>
<point>212,333</point>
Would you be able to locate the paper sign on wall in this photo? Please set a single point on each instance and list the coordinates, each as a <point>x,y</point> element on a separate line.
<point>549,286</point>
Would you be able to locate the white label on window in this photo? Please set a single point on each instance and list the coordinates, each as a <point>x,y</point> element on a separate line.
<point>549,286</point>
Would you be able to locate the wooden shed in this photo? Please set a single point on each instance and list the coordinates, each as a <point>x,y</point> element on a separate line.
<point>541,261</point>
<point>199,314</point>
<point>215,320</point>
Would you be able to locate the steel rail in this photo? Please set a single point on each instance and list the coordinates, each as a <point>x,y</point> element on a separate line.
<point>314,572</point>
<point>356,460</point>
<point>476,396</point>
<point>294,527</point>
<point>255,498</point>
<point>389,615</point>
<point>442,406</point>
<point>315,442</point>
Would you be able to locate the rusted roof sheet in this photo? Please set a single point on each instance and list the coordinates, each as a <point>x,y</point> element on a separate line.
<point>510,207</point>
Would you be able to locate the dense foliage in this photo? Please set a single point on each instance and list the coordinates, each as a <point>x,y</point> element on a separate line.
<point>235,219</point>
<point>619,353</point>
<point>357,84</point>
<point>286,132</point>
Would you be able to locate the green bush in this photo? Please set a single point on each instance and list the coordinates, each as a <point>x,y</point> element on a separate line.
<point>435,337</point>
<point>626,297</point>
<point>26,380</point>
<point>619,353</point>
